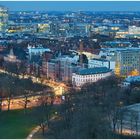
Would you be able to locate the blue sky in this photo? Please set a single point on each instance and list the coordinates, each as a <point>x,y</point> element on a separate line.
<point>72,5</point>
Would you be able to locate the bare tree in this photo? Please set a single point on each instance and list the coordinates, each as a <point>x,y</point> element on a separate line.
<point>44,110</point>
<point>9,90</point>
<point>121,118</point>
<point>132,117</point>
<point>136,120</point>
<point>26,95</point>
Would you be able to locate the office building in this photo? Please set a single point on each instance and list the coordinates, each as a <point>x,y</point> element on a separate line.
<point>127,62</point>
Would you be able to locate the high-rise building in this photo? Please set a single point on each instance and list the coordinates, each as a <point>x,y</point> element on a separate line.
<point>3,19</point>
<point>127,62</point>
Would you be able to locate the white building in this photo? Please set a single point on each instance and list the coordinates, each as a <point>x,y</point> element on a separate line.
<point>32,50</point>
<point>101,63</point>
<point>90,75</point>
<point>134,30</point>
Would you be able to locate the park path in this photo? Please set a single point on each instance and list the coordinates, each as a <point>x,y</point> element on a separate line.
<point>37,128</point>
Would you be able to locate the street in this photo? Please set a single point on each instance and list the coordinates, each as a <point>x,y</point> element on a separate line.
<point>33,101</point>
<point>58,87</point>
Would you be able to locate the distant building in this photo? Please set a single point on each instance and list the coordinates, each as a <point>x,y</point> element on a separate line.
<point>61,68</point>
<point>54,28</point>
<point>82,29</point>
<point>121,33</point>
<point>116,44</point>
<point>3,19</point>
<point>107,28</point>
<point>127,62</point>
<point>39,50</point>
<point>101,63</point>
<point>11,57</point>
<point>134,30</point>
<point>90,75</point>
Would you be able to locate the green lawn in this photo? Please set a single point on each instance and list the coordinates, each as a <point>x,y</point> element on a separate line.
<point>16,125</point>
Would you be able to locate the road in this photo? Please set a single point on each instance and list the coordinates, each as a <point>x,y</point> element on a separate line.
<point>33,101</point>
<point>59,87</point>
<point>18,102</point>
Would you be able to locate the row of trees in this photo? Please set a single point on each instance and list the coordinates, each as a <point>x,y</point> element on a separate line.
<point>13,86</point>
<point>16,68</point>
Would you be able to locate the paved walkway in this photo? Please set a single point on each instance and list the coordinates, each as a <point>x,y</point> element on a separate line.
<point>35,130</point>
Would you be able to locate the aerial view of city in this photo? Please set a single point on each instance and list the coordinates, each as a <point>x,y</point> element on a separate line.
<point>69,70</point>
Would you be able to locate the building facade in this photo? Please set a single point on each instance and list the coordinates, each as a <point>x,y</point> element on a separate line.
<point>39,50</point>
<point>59,69</point>
<point>127,62</point>
<point>115,44</point>
<point>101,63</point>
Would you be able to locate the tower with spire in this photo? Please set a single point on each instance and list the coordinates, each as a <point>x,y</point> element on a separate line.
<point>11,57</point>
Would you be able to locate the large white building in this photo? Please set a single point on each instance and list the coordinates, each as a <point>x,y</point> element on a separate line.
<point>90,75</point>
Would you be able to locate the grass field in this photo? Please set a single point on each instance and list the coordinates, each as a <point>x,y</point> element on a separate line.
<point>16,125</point>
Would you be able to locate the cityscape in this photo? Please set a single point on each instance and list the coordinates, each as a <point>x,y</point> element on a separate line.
<point>71,71</point>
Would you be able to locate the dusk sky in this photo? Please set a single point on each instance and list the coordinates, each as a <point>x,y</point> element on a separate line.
<point>73,5</point>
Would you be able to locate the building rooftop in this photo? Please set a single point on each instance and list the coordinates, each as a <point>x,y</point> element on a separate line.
<point>99,59</point>
<point>133,79</point>
<point>121,49</point>
<point>117,42</point>
<point>96,70</point>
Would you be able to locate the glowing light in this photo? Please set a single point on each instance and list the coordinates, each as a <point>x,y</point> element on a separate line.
<point>135,72</point>
<point>117,69</point>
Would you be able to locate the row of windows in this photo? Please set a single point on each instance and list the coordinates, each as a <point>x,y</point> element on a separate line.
<point>79,83</point>
<point>88,79</point>
<point>88,76</point>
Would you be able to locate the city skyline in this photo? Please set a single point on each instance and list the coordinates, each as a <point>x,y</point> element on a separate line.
<point>71,5</point>
<point>68,67</point>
